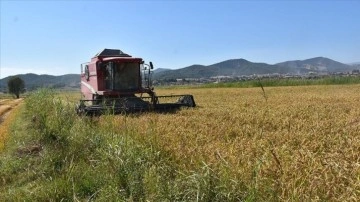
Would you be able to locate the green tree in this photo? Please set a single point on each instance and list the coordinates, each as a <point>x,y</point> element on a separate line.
<point>16,86</point>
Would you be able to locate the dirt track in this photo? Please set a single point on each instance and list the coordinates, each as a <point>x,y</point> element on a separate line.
<point>6,105</point>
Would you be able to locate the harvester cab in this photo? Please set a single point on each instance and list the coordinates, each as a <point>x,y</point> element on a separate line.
<point>116,82</point>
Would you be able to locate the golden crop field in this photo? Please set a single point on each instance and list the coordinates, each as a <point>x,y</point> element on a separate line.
<point>239,144</point>
<point>300,142</point>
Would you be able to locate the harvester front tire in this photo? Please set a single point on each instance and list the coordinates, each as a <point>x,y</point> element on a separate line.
<point>187,100</point>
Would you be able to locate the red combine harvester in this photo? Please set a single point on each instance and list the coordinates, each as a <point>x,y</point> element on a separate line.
<point>115,82</point>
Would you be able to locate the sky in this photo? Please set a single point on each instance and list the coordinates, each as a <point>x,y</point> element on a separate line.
<point>55,37</point>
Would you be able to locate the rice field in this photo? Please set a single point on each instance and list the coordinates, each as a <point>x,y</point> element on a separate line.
<point>297,143</point>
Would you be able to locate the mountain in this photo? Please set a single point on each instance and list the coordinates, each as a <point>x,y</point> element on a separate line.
<point>242,67</point>
<point>33,81</point>
<point>318,64</point>
<point>158,70</point>
<point>234,67</point>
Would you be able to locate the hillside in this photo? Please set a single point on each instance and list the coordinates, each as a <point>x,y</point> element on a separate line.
<point>234,67</point>
<point>242,67</point>
<point>318,64</point>
<point>33,81</point>
<point>158,70</point>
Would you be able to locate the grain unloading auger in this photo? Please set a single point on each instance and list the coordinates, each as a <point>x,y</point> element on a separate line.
<point>115,82</point>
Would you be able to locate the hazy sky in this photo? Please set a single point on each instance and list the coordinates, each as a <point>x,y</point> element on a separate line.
<point>54,37</point>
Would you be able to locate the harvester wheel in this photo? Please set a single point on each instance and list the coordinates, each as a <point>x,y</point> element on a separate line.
<point>187,100</point>
<point>80,109</point>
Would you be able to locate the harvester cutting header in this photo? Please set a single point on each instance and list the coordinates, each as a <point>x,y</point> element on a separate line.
<point>115,81</point>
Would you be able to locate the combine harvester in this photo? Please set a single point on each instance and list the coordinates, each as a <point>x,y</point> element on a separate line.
<point>115,82</point>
